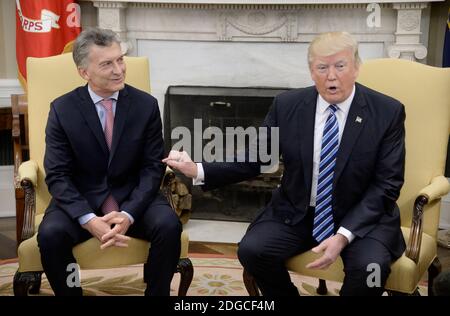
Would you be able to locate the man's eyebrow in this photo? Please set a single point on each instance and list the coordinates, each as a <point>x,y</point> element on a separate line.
<point>104,61</point>
<point>109,60</point>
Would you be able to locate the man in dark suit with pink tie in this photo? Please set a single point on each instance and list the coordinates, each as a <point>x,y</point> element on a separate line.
<point>343,150</point>
<point>103,169</point>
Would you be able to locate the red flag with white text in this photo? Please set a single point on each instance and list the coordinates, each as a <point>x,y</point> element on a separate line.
<point>44,28</point>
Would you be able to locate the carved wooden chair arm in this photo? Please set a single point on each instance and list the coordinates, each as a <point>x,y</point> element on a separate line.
<point>178,195</point>
<point>27,174</point>
<point>438,187</point>
<point>18,108</point>
<point>28,181</point>
<point>166,186</point>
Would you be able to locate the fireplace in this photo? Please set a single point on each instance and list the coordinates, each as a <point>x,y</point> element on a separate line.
<point>196,108</point>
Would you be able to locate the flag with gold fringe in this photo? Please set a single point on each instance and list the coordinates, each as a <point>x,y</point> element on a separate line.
<point>44,28</point>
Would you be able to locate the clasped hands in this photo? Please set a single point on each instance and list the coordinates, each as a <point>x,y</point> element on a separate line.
<point>110,229</point>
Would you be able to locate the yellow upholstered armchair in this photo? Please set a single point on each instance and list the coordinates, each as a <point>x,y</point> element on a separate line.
<point>49,78</point>
<point>425,92</point>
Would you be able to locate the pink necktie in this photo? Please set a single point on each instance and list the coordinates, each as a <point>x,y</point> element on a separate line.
<point>110,203</point>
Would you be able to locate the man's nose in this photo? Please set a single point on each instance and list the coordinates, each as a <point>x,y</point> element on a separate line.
<point>117,69</point>
<point>331,75</point>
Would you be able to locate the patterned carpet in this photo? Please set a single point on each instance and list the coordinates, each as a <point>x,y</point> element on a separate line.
<point>218,276</point>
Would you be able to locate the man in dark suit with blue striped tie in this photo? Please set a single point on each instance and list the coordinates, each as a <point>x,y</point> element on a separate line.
<point>343,149</point>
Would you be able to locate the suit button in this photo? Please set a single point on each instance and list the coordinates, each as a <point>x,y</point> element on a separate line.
<point>287,221</point>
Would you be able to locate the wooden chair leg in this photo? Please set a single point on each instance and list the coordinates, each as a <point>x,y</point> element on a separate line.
<point>322,288</point>
<point>433,270</point>
<point>27,282</point>
<point>250,284</point>
<point>186,274</point>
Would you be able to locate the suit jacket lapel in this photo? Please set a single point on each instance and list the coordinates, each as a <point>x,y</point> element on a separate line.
<point>89,113</point>
<point>306,119</point>
<point>122,108</point>
<point>353,126</point>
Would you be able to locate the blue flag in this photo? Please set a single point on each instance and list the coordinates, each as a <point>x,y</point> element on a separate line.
<point>446,54</point>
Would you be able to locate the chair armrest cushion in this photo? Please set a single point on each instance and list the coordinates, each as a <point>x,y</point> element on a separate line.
<point>28,171</point>
<point>438,187</point>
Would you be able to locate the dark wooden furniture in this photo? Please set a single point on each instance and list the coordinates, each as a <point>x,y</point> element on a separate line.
<point>5,119</point>
<point>19,125</point>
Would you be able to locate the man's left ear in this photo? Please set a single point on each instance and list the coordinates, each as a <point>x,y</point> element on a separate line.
<point>83,73</point>
<point>356,72</point>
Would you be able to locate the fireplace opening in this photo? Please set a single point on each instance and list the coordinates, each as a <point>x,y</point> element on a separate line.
<point>194,109</point>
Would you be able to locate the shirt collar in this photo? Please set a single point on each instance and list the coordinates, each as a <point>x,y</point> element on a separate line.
<point>96,98</point>
<point>323,105</point>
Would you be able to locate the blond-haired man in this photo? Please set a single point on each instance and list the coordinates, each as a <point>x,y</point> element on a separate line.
<point>343,151</point>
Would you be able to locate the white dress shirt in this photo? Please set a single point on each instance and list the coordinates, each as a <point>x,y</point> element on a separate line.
<point>322,113</point>
<point>102,117</point>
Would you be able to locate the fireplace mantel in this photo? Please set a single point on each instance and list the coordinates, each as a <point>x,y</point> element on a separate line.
<point>261,1</point>
<point>268,21</point>
<point>256,42</point>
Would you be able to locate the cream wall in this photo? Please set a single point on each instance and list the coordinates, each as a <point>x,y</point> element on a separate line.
<point>8,66</point>
<point>2,45</point>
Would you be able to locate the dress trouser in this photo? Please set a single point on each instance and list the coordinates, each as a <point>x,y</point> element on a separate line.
<point>267,245</point>
<point>58,234</point>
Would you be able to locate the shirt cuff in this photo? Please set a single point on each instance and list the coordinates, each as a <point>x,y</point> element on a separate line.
<point>346,233</point>
<point>200,180</point>
<point>129,216</point>
<point>83,219</point>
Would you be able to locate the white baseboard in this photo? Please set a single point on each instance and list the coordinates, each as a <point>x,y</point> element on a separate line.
<point>215,231</point>
<point>7,196</point>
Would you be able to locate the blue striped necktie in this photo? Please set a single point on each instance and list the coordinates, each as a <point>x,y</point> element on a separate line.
<point>323,216</point>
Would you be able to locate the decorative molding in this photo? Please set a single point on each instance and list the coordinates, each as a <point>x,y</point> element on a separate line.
<point>254,6</point>
<point>257,24</point>
<point>110,19</point>
<point>407,36</point>
<point>112,15</point>
<point>410,5</point>
<point>263,21</point>
<point>408,20</point>
<point>110,4</point>
<point>8,87</point>
<point>408,51</point>
<point>277,2</point>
